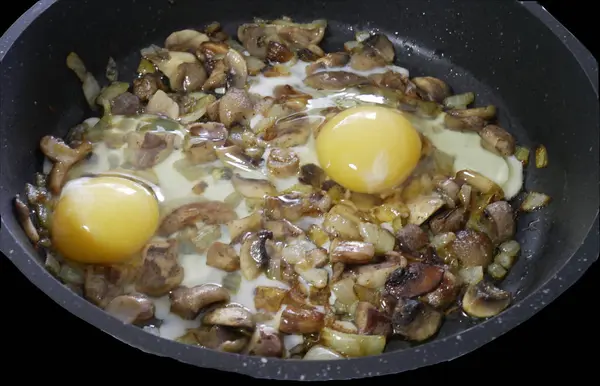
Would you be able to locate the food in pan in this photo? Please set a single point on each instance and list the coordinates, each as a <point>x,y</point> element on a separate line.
<point>261,196</point>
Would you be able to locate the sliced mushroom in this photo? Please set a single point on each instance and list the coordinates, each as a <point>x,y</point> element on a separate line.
<point>371,321</point>
<point>501,215</point>
<point>64,157</point>
<point>216,338</point>
<point>396,81</point>
<point>432,89</point>
<point>284,207</point>
<point>448,221</point>
<point>204,138</point>
<point>24,215</point>
<point>103,284</point>
<point>210,212</point>
<point>256,38</point>
<point>483,300</point>
<point>235,107</point>
<point>188,302</point>
<point>283,163</point>
<point>334,80</point>
<point>239,227</point>
<point>297,320</point>
<point>253,188</point>
<point>217,77</point>
<point>162,104</point>
<point>415,321</point>
<point>185,40</point>
<point>311,174</point>
<point>497,140</point>
<point>190,77</point>
<point>486,113</point>
<point>131,308</point>
<point>125,104</point>
<point>145,150</point>
<point>351,252</point>
<point>230,316</point>
<point>375,275</point>
<point>412,238</point>
<point>266,342</point>
<point>414,280</point>
<point>146,86</point>
<point>161,271</point>
<point>238,70</point>
<point>254,254</point>
<point>472,248</point>
<point>282,229</point>
<point>472,123</point>
<point>449,190</point>
<point>376,51</point>
<point>222,256</point>
<point>277,52</point>
<point>335,59</point>
<point>445,294</point>
<point>254,65</point>
<point>423,207</point>
<point>290,131</point>
<point>269,298</point>
<point>299,36</point>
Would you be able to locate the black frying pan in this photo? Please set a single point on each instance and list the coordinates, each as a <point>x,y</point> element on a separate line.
<point>513,55</point>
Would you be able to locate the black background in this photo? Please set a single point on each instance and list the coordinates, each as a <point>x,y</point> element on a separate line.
<point>561,340</point>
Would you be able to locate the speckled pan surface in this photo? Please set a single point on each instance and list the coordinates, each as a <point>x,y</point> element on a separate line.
<point>514,55</point>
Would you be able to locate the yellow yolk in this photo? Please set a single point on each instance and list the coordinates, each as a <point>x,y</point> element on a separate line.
<point>368,149</point>
<point>103,219</point>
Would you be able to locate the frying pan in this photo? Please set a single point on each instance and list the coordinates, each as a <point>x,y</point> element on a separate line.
<point>511,54</point>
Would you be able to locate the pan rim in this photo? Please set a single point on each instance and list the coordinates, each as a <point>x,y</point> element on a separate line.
<point>387,363</point>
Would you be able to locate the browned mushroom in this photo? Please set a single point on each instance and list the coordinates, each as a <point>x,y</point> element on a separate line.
<point>502,219</point>
<point>254,254</point>
<point>269,298</point>
<point>283,163</point>
<point>335,59</point>
<point>311,174</point>
<point>216,338</point>
<point>145,86</point>
<point>125,104</point>
<point>451,220</point>
<point>445,294</point>
<point>497,140</point>
<point>291,131</point>
<point>412,238</point>
<point>253,188</point>
<point>414,280</point>
<point>133,308</point>
<point>282,229</point>
<point>160,272</point>
<point>351,252</point>
<point>64,157</point>
<point>472,248</point>
<point>210,212</point>
<point>371,321</point>
<point>190,77</point>
<point>235,107</point>
<point>277,52</point>
<point>222,256</point>
<point>298,320</point>
<point>432,89</point>
<point>231,315</point>
<point>256,38</point>
<point>265,342</point>
<point>148,149</point>
<point>334,80</point>
<point>415,321</point>
<point>472,123</point>
<point>185,40</point>
<point>449,190</point>
<point>217,77</point>
<point>483,300</point>
<point>396,81</point>
<point>237,67</point>
<point>284,207</point>
<point>204,138</point>
<point>298,36</point>
<point>375,51</point>
<point>486,113</point>
<point>188,302</point>
<point>24,216</point>
<point>239,227</point>
<point>103,284</point>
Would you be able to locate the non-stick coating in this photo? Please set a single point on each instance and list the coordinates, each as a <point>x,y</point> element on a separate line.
<point>512,55</point>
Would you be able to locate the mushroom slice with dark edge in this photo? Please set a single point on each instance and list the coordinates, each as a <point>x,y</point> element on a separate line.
<point>414,280</point>
<point>334,80</point>
<point>287,206</point>
<point>351,252</point>
<point>256,38</point>
<point>190,77</point>
<point>473,123</point>
<point>472,248</point>
<point>501,215</point>
<point>445,294</point>
<point>145,86</point>
<point>432,89</point>
<point>483,300</point>
<point>371,321</point>
<point>145,150</point>
<point>217,77</point>
<point>265,342</point>
<point>415,321</point>
<point>335,59</point>
<point>231,316</point>
<point>375,51</point>
<point>210,212</point>
<point>301,320</point>
<point>396,81</point>
<point>188,302</point>
<point>497,140</point>
<point>449,190</point>
<point>412,238</point>
<point>451,220</point>
<point>235,107</point>
<point>216,338</point>
<point>238,69</point>
<point>222,256</point>
<point>253,188</point>
<point>133,308</point>
<point>160,272</point>
<point>204,138</point>
<point>281,229</point>
<point>125,104</point>
<point>254,254</point>
<point>291,131</point>
<point>24,216</point>
<point>311,174</point>
<point>64,157</point>
<point>278,52</point>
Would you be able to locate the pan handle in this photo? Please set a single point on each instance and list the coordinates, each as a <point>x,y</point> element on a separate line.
<point>586,60</point>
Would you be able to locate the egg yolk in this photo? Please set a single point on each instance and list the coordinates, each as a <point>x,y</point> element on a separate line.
<point>368,149</point>
<point>103,219</point>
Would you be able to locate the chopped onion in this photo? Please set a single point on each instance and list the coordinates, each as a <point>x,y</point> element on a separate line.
<point>510,247</point>
<point>541,157</point>
<point>361,36</point>
<point>353,345</point>
<point>471,275</point>
<point>70,275</point>
<point>459,101</point>
<point>534,201</point>
<point>504,260</point>
<point>441,240</point>
<point>382,240</point>
<point>52,265</point>
<point>344,291</point>
<point>318,352</point>
<point>479,182</point>
<point>496,271</point>
<point>234,199</point>
<point>232,282</point>
<point>522,154</point>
